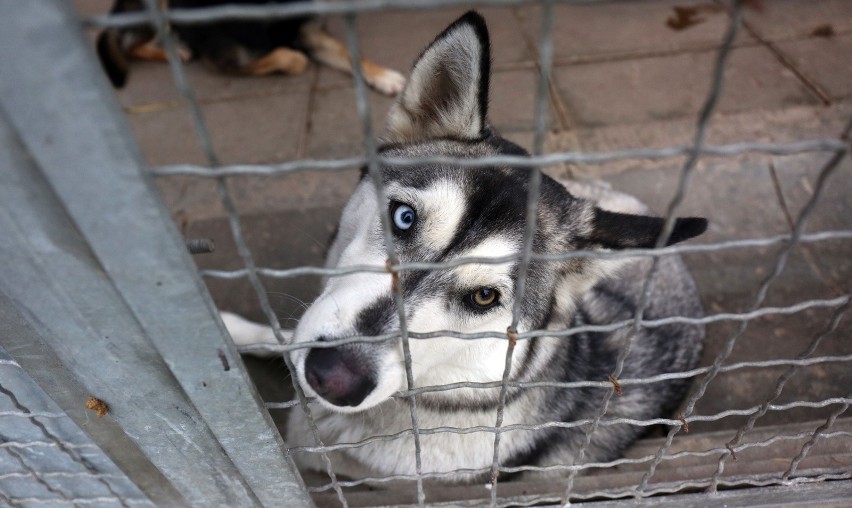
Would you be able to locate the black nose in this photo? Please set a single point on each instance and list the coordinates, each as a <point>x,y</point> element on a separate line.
<point>336,375</point>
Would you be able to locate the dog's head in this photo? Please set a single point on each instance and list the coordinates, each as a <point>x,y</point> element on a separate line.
<point>440,212</point>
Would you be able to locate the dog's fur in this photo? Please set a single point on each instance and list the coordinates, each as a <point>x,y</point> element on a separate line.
<point>481,212</point>
<point>236,47</point>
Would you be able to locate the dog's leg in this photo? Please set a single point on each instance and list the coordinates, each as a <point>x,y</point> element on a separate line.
<point>329,51</point>
<point>155,52</point>
<point>286,60</point>
<point>246,333</point>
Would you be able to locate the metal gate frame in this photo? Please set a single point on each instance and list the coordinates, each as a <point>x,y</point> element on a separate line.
<point>98,294</point>
<point>105,299</point>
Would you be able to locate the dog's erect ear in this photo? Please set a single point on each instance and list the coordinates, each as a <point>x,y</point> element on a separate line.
<point>447,93</point>
<point>613,230</point>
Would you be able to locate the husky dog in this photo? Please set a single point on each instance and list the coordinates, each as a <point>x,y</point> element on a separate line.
<point>442,212</point>
<point>251,48</point>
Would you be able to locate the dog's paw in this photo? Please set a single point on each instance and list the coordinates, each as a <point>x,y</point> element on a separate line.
<point>246,333</point>
<point>184,53</point>
<point>300,63</point>
<point>388,82</point>
<point>289,61</point>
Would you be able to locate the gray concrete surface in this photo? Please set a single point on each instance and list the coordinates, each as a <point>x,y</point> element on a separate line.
<point>623,79</point>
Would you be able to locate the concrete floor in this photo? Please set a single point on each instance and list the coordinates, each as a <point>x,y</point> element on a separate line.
<point>622,79</point>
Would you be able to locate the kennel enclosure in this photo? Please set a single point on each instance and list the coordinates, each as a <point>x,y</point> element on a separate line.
<point>92,256</point>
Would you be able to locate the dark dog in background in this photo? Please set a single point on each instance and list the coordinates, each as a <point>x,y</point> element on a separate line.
<point>250,48</point>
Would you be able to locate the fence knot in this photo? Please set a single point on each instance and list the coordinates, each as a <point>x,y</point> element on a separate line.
<point>684,422</point>
<point>394,275</point>
<point>733,453</point>
<point>616,385</point>
<point>512,333</point>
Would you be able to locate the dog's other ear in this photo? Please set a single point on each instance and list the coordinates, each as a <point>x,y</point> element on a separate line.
<point>613,230</point>
<point>447,93</point>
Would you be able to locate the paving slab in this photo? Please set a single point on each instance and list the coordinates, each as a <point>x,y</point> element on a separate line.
<point>88,8</point>
<point>336,131</point>
<point>512,104</point>
<point>825,60</point>
<point>167,136</point>
<point>796,176</point>
<point>335,127</point>
<point>781,125</point>
<point>194,199</point>
<point>395,38</point>
<point>247,130</point>
<point>619,30</point>
<point>672,87</point>
<point>257,130</point>
<point>151,86</point>
<point>284,239</point>
<point>740,200</point>
<point>785,19</point>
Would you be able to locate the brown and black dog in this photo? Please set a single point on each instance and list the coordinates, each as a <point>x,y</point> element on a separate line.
<point>251,48</point>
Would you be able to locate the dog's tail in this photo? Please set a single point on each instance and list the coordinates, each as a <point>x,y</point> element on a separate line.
<point>113,57</point>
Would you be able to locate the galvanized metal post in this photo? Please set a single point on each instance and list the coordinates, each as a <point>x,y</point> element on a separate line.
<point>72,145</point>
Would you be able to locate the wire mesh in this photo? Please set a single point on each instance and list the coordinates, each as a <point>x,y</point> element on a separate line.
<point>381,199</point>
<point>160,20</point>
<point>534,163</point>
<point>45,459</point>
<point>160,24</point>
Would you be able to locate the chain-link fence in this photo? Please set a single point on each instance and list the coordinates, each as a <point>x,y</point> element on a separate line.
<point>237,440</point>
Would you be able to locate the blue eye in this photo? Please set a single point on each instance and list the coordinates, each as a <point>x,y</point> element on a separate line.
<point>403,216</point>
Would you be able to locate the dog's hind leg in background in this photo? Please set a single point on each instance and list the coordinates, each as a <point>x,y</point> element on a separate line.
<point>247,48</point>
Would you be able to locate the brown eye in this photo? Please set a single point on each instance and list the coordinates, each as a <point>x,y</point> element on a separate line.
<point>484,298</point>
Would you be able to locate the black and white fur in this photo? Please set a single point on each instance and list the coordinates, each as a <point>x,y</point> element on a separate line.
<point>480,212</point>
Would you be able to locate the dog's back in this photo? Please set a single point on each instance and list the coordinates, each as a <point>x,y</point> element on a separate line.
<point>217,42</point>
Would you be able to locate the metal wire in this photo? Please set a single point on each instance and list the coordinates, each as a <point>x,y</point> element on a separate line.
<point>713,318</point>
<point>62,474</point>
<point>562,256</point>
<point>532,161</point>
<point>779,387</point>
<point>585,466</point>
<point>160,20</point>
<point>571,424</point>
<point>381,199</point>
<point>668,224</point>
<point>762,480</point>
<point>61,494</point>
<point>32,414</point>
<point>279,11</point>
<point>78,501</point>
<point>805,362</point>
<point>818,433</point>
<point>160,23</point>
<point>44,444</point>
<point>780,263</point>
<point>72,454</point>
<point>533,193</point>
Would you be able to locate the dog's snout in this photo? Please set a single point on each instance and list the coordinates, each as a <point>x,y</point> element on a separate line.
<point>336,376</point>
